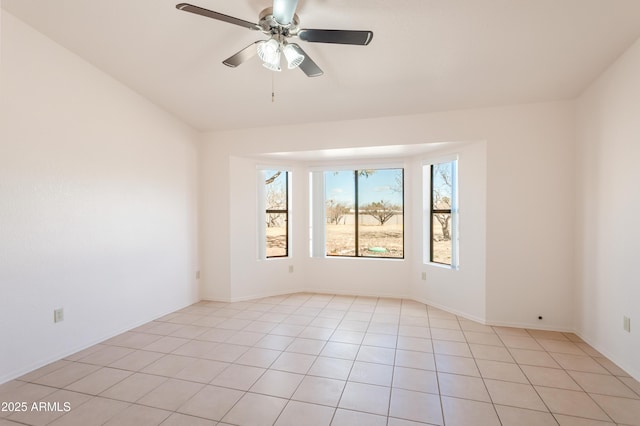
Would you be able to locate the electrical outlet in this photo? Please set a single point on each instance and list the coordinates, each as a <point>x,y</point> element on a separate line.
<point>424,276</point>
<point>627,324</point>
<point>291,269</point>
<point>58,315</point>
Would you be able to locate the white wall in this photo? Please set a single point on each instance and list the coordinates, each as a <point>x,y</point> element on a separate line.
<point>463,290</point>
<point>251,277</point>
<point>608,207</point>
<point>98,204</point>
<point>529,211</point>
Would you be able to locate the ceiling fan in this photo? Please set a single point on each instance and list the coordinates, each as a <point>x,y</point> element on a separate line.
<point>281,23</point>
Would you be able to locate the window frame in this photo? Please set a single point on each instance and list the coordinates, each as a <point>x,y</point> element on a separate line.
<point>433,212</point>
<point>356,177</point>
<point>430,212</point>
<point>263,211</point>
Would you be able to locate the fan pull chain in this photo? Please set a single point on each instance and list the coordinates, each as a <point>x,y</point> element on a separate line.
<point>273,90</point>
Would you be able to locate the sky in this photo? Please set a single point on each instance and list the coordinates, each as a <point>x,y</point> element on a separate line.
<point>340,186</point>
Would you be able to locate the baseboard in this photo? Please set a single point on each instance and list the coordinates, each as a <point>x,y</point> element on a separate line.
<point>630,370</point>
<point>304,290</point>
<point>450,310</point>
<point>252,296</point>
<point>351,293</point>
<point>531,326</point>
<point>393,296</point>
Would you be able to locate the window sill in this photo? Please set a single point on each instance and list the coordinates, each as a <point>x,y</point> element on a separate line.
<point>392,259</point>
<point>442,266</point>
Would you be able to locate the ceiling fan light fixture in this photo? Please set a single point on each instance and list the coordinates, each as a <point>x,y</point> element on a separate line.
<point>273,66</point>
<point>269,52</point>
<point>294,59</point>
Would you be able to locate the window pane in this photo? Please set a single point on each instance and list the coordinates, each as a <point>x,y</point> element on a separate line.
<point>380,213</point>
<point>276,190</point>
<point>442,185</point>
<point>276,202</point>
<point>441,243</point>
<point>276,234</point>
<point>339,206</point>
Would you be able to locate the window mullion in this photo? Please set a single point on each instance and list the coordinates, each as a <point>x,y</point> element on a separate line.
<point>431,214</point>
<point>286,214</point>
<point>356,216</point>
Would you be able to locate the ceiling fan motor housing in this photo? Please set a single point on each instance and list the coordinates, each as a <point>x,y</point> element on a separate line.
<point>270,26</point>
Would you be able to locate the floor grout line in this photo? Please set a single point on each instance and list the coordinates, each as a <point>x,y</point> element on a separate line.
<point>301,319</point>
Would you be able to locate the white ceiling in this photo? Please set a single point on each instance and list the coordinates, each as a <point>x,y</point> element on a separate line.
<point>426,55</point>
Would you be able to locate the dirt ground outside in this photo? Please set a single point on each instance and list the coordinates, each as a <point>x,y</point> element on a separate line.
<point>441,246</point>
<point>276,241</point>
<point>375,241</point>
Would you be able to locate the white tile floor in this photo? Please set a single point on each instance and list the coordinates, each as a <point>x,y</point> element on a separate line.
<point>311,359</point>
